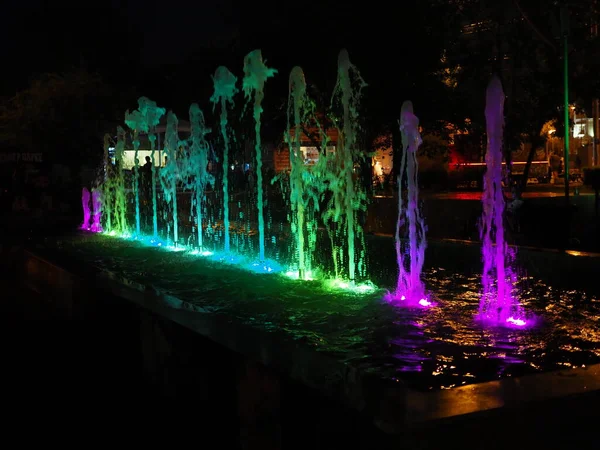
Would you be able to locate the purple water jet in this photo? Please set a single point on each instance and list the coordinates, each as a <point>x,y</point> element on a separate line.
<point>106,187</point>
<point>498,304</point>
<point>410,253</point>
<point>85,203</point>
<point>97,208</point>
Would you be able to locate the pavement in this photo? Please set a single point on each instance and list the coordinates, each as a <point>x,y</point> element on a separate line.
<point>540,190</point>
<point>67,382</point>
<point>544,220</point>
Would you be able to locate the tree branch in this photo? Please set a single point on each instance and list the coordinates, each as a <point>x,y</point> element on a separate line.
<point>533,27</point>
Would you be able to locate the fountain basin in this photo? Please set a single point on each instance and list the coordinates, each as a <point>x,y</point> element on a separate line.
<point>401,366</point>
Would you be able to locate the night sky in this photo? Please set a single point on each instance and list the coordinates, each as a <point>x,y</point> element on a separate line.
<point>168,50</point>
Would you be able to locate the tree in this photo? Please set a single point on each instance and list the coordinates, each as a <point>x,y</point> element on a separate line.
<point>63,115</point>
<point>52,37</point>
<point>517,39</point>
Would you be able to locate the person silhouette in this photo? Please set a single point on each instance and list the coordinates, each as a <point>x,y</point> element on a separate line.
<point>147,168</point>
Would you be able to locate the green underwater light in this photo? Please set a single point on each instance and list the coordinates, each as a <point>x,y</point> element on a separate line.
<point>252,265</point>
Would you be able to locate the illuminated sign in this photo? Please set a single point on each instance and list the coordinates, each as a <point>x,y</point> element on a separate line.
<point>20,157</point>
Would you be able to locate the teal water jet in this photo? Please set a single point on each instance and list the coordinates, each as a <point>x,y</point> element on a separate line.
<point>256,74</point>
<point>134,121</point>
<point>117,184</point>
<point>143,120</point>
<point>169,172</point>
<point>195,167</point>
<point>224,90</point>
<point>152,114</point>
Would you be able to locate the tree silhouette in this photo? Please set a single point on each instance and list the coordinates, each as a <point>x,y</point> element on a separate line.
<point>64,115</point>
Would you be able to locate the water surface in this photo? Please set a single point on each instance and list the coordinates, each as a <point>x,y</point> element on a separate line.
<point>429,349</point>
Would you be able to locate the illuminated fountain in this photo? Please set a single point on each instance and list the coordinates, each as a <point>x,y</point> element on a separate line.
<point>256,74</point>
<point>143,120</point>
<point>117,185</point>
<point>85,204</point>
<point>152,114</point>
<point>303,195</point>
<point>498,303</point>
<point>410,253</point>
<point>332,179</point>
<point>107,189</point>
<point>318,294</point>
<point>224,90</point>
<point>113,187</point>
<point>169,174</point>
<point>194,167</point>
<point>135,122</point>
<point>348,197</point>
<point>96,226</point>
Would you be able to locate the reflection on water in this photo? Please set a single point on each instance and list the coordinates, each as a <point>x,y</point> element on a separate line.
<point>476,195</point>
<point>436,348</point>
